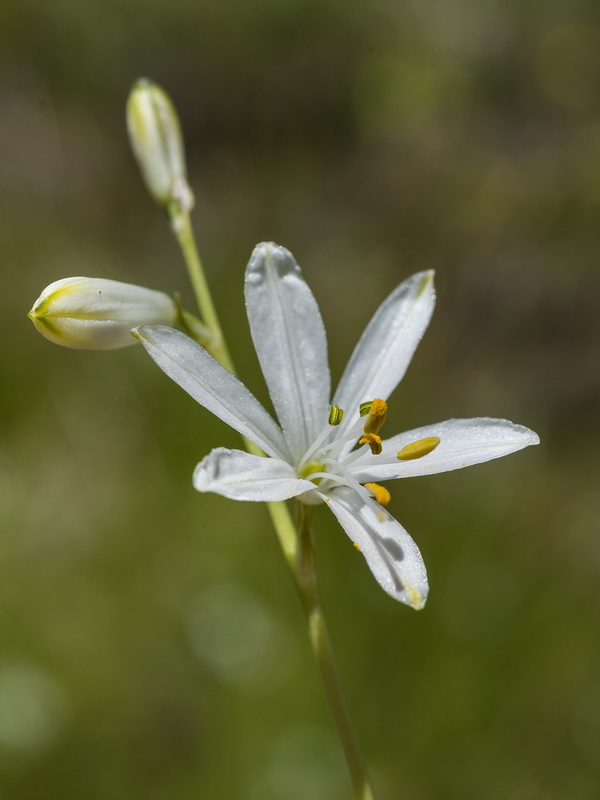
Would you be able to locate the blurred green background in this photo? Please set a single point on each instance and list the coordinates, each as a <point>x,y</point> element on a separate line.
<point>152,646</point>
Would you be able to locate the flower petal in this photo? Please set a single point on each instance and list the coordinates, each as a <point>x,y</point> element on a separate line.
<point>241,476</point>
<point>392,556</point>
<point>290,342</point>
<point>386,347</point>
<point>463,442</point>
<point>211,385</point>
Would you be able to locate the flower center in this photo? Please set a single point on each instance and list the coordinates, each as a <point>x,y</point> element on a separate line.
<point>312,467</point>
<point>327,462</point>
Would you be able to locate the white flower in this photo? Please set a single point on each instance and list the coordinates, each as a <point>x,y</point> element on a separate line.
<point>313,455</point>
<point>97,313</point>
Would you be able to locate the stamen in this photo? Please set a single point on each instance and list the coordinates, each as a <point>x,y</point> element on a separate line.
<point>337,445</point>
<point>321,438</point>
<point>324,479</point>
<point>345,478</point>
<point>365,408</point>
<point>380,493</point>
<point>355,455</point>
<point>373,441</point>
<point>377,415</point>
<point>336,415</point>
<point>418,449</point>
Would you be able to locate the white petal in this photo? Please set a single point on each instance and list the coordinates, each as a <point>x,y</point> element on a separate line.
<point>386,347</point>
<point>392,556</point>
<point>241,476</point>
<point>212,386</point>
<point>463,442</point>
<point>290,342</point>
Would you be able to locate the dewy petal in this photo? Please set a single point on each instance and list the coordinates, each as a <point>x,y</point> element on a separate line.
<point>290,342</point>
<point>211,385</point>
<point>386,347</point>
<point>463,442</point>
<point>241,476</point>
<point>392,555</point>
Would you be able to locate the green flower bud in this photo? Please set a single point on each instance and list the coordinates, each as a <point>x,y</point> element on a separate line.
<point>155,136</point>
<point>98,314</point>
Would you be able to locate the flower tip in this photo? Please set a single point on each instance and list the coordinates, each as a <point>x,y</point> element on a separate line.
<point>140,333</point>
<point>267,246</point>
<point>416,599</point>
<point>265,250</point>
<point>141,83</point>
<point>426,280</point>
<point>527,436</point>
<point>270,261</point>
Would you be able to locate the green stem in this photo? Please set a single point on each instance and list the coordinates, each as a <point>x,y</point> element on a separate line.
<point>182,228</point>
<point>297,545</point>
<point>305,578</point>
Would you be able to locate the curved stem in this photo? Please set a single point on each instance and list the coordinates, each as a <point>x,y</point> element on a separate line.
<point>305,578</point>
<point>297,544</point>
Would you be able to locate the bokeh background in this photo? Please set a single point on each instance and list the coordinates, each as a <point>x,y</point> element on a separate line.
<point>151,645</point>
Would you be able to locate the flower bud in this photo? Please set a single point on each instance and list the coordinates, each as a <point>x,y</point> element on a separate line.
<point>97,314</point>
<point>157,144</point>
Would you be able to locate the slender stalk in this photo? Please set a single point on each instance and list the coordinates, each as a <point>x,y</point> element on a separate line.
<point>182,228</point>
<point>296,543</point>
<point>305,578</point>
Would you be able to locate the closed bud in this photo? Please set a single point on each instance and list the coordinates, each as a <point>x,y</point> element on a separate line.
<point>98,314</point>
<point>157,143</point>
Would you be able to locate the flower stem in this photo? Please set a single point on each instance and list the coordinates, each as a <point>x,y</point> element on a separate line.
<point>182,228</point>
<point>296,543</point>
<point>305,578</point>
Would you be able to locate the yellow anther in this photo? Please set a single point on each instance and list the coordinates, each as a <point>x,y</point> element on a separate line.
<point>373,441</point>
<point>380,493</point>
<point>376,418</point>
<point>418,449</point>
<point>336,415</point>
<point>357,547</point>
